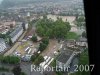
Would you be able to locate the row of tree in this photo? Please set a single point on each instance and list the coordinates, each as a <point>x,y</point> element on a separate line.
<point>43,45</point>
<point>10,59</point>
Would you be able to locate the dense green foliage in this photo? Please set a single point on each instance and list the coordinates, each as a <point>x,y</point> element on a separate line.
<point>43,45</point>
<point>39,60</point>
<point>80,21</point>
<point>84,60</point>
<point>34,38</point>
<point>33,57</point>
<point>52,29</point>
<point>9,59</point>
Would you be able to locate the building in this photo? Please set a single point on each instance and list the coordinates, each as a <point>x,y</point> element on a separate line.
<point>82,42</point>
<point>25,26</point>
<point>2,45</point>
<point>5,26</point>
<point>16,33</point>
<point>70,43</point>
<point>65,58</point>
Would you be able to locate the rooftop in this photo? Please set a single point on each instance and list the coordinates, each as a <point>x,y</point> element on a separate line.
<point>15,32</point>
<point>2,45</point>
<point>65,55</point>
<point>82,39</point>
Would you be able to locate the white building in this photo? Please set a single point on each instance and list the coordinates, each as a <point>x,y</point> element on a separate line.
<point>2,45</point>
<point>28,14</point>
<point>26,26</point>
<point>16,33</point>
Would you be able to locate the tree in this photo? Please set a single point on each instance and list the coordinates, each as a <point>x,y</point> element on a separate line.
<point>33,57</point>
<point>42,46</point>
<point>34,38</point>
<point>80,21</point>
<point>44,43</point>
<point>84,60</point>
<point>45,40</point>
<point>16,70</point>
<point>52,29</point>
<point>10,42</point>
<point>39,60</point>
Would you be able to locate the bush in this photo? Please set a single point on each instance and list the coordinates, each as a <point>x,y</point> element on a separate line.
<point>34,38</point>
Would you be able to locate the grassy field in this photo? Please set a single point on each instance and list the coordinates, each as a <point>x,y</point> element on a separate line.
<point>71,35</point>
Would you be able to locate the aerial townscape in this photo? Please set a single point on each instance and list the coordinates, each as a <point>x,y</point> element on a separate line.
<point>44,33</point>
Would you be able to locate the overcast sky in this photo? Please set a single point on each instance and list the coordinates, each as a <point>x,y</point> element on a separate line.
<point>0,1</point>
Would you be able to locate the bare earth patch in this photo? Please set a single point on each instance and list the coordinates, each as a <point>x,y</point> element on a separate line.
<point>50,49</point>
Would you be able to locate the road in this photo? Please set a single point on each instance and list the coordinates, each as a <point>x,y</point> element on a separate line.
<point>15,45</point>
<point>26,67</point>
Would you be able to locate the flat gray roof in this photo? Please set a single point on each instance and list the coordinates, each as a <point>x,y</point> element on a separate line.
<point>2,45</point>
<point>65,55</point>
<point>15,32</point>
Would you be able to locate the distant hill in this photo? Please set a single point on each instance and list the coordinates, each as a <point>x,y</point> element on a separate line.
<point>11,3</point>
